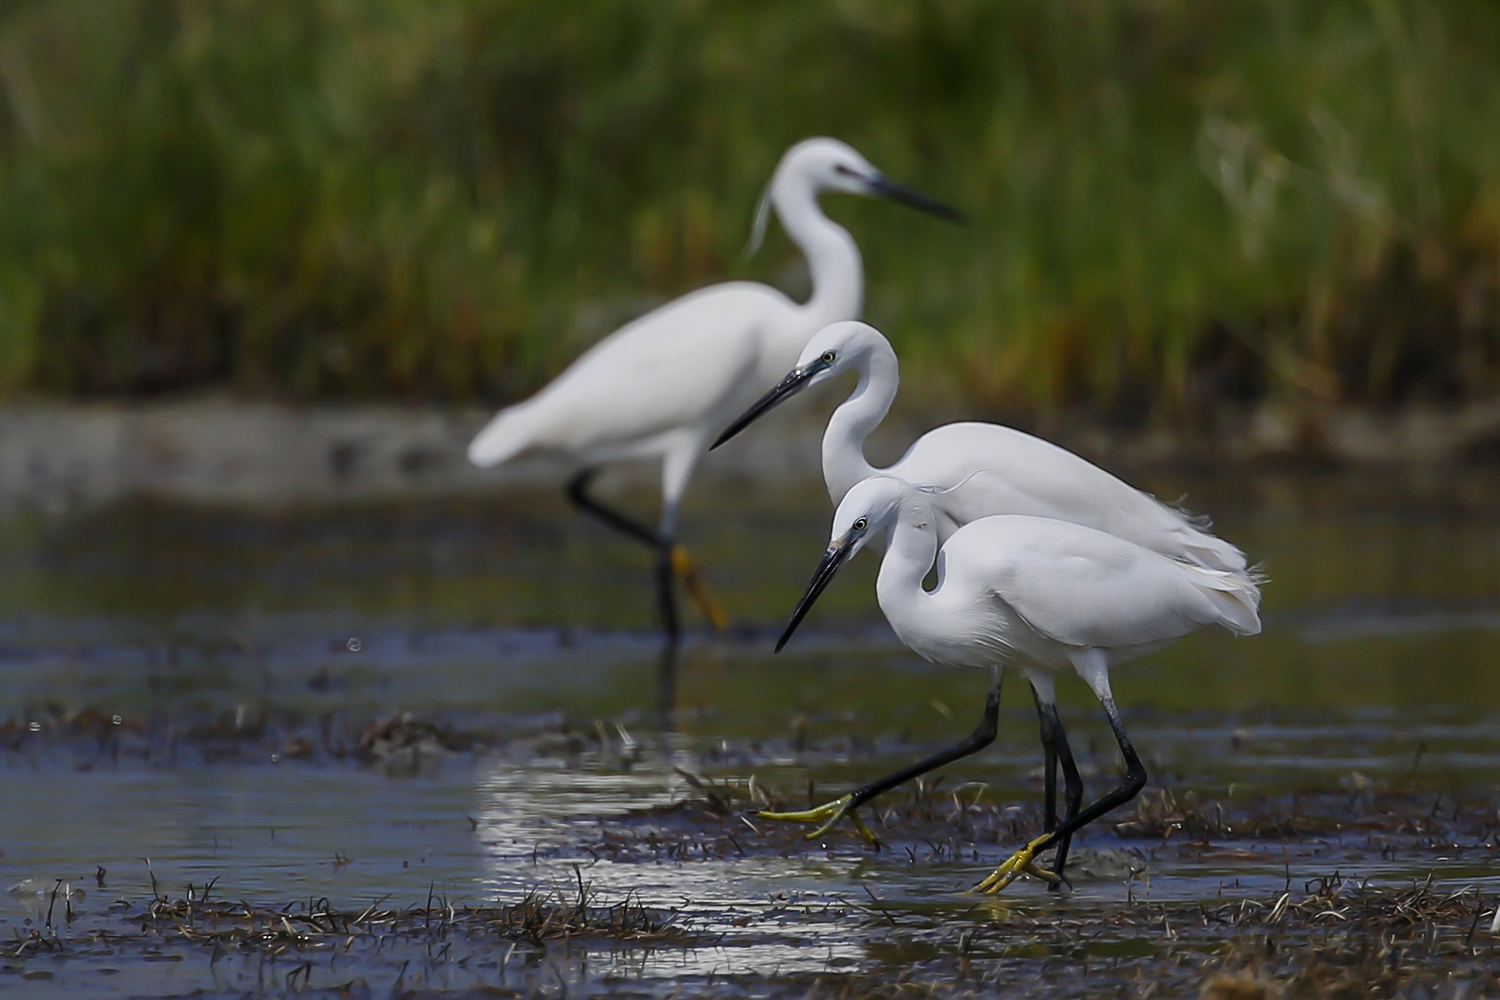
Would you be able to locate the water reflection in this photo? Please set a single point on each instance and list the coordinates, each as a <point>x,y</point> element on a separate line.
<point>1379,657</point>
<point>667,663</point>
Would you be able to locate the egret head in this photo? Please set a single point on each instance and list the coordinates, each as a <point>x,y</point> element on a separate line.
<point>824,164</point>
<point>815,166</point>
<point>838,347</point>
<point>868,510</point>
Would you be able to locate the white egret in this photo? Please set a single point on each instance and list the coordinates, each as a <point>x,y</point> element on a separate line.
<point>1037,593</point>
<point>665,384</point>
<point>982,468</point>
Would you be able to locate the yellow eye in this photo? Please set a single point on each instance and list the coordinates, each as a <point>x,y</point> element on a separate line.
<point>861,524</point>
<point>827,358</point>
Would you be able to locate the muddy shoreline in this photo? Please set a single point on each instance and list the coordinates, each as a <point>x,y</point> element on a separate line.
<point>119,930</point>
<point>222,450</point>
<point>423,743</point>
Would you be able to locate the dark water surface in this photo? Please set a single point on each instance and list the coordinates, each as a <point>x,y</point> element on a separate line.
<point>1377,672</point>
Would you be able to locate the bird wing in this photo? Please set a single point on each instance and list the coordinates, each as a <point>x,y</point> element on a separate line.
<point>995,469</point>
<point>1086,588</point>
<point>678,366</point>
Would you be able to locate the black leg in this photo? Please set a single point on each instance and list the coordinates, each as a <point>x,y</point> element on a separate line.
<point>666,592</point>
<point>579,495</point>
<point>1072,786</point>
<point>1049,760</point>
<point>666,688</point>
<point>845,805</point>
<point>1135,780</point>
<point>982,736</point>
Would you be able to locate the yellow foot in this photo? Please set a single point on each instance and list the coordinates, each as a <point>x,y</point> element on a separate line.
<point>697,590</point>
<point>1019,862</point>
<point>827,815</point>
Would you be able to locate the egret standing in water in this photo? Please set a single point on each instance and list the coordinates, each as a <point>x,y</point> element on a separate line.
<point>1037,593</point>
<point>664,385</point>
<point>982,468</point>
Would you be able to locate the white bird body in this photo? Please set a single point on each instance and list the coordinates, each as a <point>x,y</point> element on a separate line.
<point>996,469</point>
<point>1044,594</point>
<point>626,397</point>
<point>1037,593</point>
<point>663,385</point>
<point>1020,590</point>
<point>981,468</point>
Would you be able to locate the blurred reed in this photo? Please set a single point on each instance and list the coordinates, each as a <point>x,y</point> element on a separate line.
<point>1173,203</point>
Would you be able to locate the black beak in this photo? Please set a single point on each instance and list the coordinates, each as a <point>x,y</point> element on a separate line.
<point>917,200</point>
<point>795,381</point>
<point>835,557</point>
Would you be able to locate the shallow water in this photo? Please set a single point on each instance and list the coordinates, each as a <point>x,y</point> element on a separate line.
<point>1377,672</point>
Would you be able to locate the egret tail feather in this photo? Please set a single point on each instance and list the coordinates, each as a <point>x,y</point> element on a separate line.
<point>505,437</point>
<point>1236,596</point>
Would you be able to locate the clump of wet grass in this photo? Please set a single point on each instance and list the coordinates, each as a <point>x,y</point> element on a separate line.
<point>1345,939</point>
<point>203,916</point>
<point>1330,937</point>
<point>1166,813</point>
<point>1158,814</point>
<point>540,916</point>
<point>928,823</point>
<point>434,934</point>
<point>1410,813</point>
<point>249,734</point>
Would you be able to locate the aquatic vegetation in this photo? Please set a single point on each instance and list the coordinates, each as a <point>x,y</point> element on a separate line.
<point>332,750</point>
<point>1329,935</point>
<point>1172,204</point>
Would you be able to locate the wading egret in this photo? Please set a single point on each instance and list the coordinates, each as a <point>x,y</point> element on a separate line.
<point>664,385</point>
<point>1036,593</point>
<point>984,469</point>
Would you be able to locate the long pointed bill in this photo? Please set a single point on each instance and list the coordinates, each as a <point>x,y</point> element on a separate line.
<point>917,200</point>
<point>795,381</point>
<point>835,557</point>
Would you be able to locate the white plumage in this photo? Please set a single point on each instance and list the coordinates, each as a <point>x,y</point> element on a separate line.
<point>982,468</point>
<point>659,385</point>
<point>1037,593</point>
<point>665,384</point>
<point>1029,591</point>
<point>1026,591</point>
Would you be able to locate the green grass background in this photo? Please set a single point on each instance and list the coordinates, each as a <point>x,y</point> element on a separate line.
<point>1173,203</point>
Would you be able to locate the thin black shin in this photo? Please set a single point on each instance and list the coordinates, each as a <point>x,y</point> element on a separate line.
<point>1072,787</point>
<point>578,494</point>
<point>982,736</point>
<point>666,688</point>
<point>1135,780</point>
<point>1049,761</point>
<point>666,592</point>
